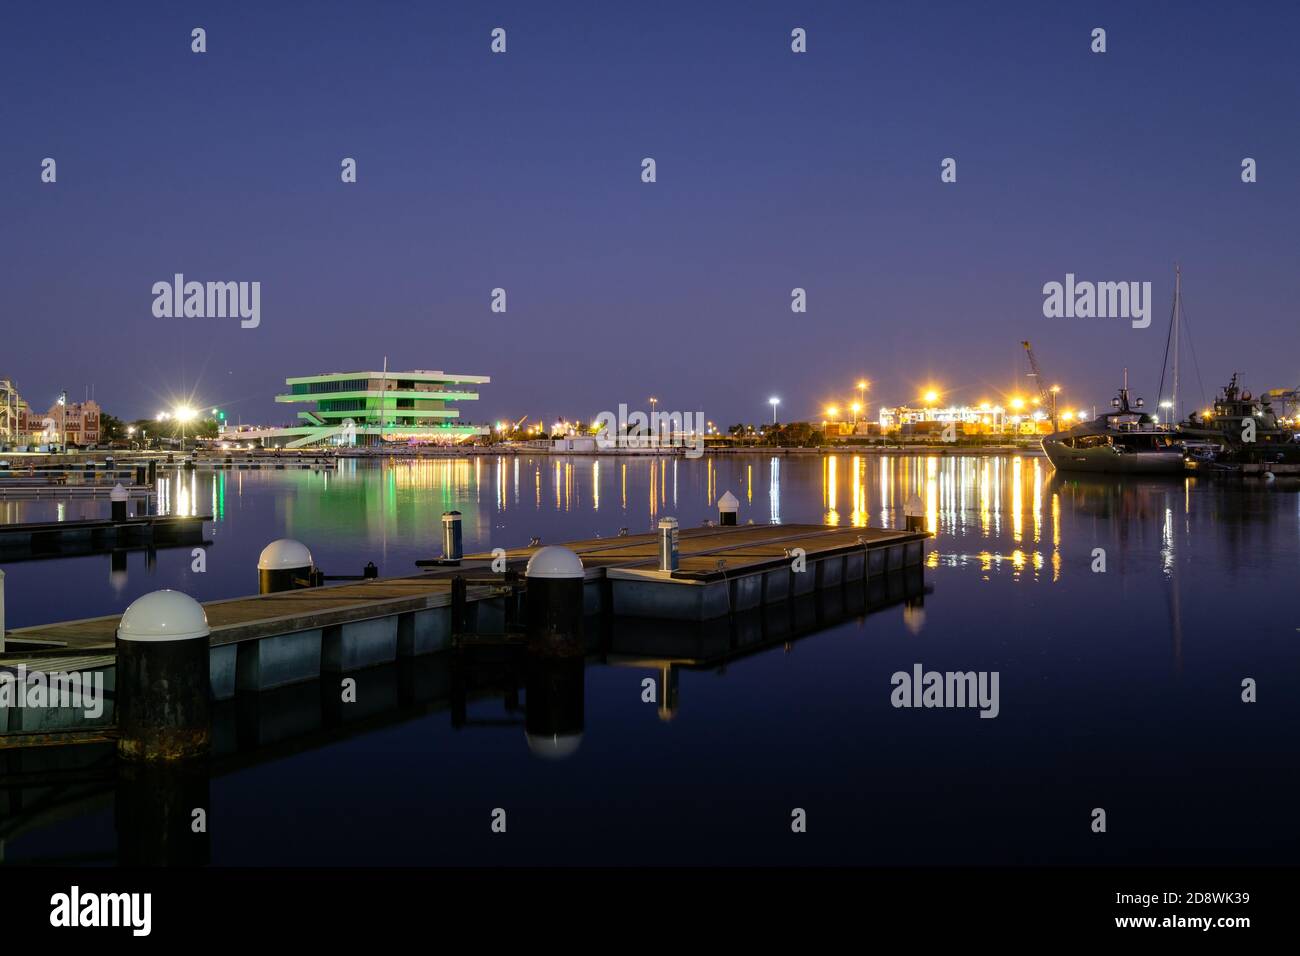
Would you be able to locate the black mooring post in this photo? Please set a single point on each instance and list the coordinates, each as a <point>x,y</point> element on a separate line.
<point>459,595</point>
<point>512,599</point>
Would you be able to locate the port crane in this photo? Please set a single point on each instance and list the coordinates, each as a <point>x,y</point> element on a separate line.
<point>1046,395</point>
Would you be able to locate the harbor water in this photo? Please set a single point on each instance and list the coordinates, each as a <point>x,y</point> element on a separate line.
<point>1121,617</point>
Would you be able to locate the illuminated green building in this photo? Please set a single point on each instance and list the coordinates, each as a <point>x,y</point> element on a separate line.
<point>375,408</point>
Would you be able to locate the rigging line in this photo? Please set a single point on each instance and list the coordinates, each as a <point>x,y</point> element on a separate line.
<point>1164,364</point>
<point>1195,365</point>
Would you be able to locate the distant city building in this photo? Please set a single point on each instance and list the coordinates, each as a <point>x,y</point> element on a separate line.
<point>13,414</point>
<point>76,423</point>
<point>375,408</point>
<point>975,419</point>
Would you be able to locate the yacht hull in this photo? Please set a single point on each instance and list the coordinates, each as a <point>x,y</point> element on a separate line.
<point>1106,459</point>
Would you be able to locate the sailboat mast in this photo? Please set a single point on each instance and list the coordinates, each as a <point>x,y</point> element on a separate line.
<point>1178,309</point>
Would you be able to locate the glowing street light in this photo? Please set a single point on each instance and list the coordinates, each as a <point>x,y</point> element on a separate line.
<point>774,401</point>
<point>183,414</point>
<point>832,411</point>
<point>931,396</point>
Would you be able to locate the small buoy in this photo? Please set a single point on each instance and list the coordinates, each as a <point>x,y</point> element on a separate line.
<point>1269,476</point>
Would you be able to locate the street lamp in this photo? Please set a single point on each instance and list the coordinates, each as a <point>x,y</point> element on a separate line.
<point>63,421</point>
<point>774,401</point>
<point>857,407</point>
<point>183,414</point>
<point>1054,390</point>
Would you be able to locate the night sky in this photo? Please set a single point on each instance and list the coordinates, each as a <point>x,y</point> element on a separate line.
<point>523,171</point>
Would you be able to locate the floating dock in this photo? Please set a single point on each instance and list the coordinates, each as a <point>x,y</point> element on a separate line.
<point>91,536</point>
<point>44,490</point>
<point>274,640</point>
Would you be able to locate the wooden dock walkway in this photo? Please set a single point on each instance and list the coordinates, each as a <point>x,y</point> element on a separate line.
<point>716,553</point>
<point>250,618</point>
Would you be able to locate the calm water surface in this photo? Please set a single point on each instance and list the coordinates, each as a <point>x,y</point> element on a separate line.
<point>1119,690</point>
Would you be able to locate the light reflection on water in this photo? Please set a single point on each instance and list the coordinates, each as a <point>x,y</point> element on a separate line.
<point>993,513</point>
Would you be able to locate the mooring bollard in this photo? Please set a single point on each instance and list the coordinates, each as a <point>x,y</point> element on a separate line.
<point>117,498</point>
<point>554,601</point>
<point>451,540</point>
<point>163,681</point>
<point>914,512</point>
<point>283,565</point>
<point>667,544</point>
<point>728,507</point>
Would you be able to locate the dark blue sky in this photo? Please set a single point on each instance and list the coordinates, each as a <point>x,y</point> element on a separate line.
<point>522,170</point>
